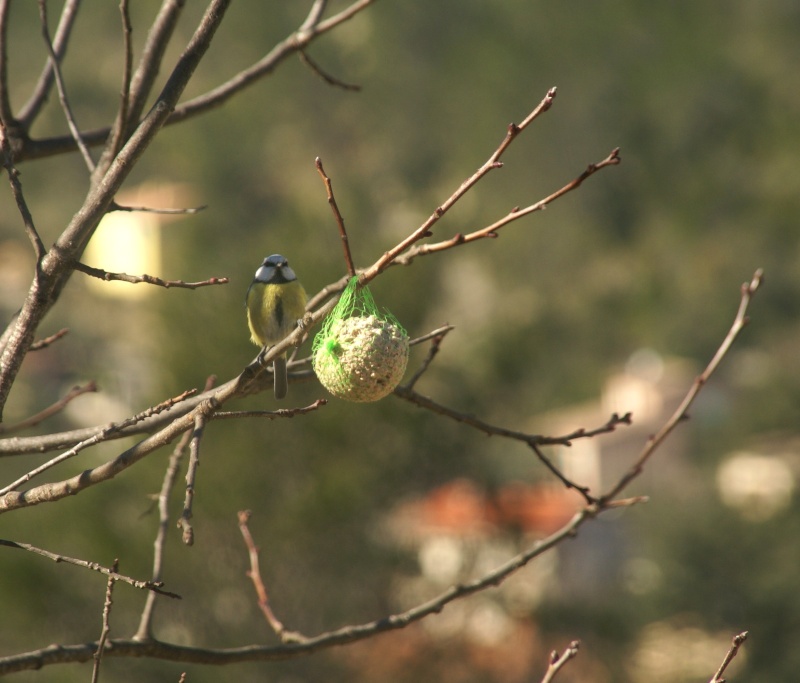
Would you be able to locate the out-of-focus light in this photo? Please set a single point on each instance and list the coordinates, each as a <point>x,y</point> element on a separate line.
<point>125,242</point>
<point>758,486</point>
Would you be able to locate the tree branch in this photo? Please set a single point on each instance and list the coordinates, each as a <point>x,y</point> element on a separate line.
<point>106,629</point>
<point>62,90</point>
<point>155,586</point>
<point>311,29</point>
<point>748,290</point>
<point>56,266</point>
<point>57,407</point>
<point>557,661</point>
<point>101,274</point>
<point>737,642</point>
<point>30,110</point>
<point>6,113</point>
<point>491,163</point>
<point>515,214</point>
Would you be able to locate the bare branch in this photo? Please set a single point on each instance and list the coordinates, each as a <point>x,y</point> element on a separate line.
<point>149,279</point>
<point>491,163</point>
<point>158,38</point>
<point>57,407</point>
<point>748,290</point>
<point>96,438</point>
<point>270,414</point>
<point>436,343</point>
<point>297,41</point>
<point>19,197</point>
<point>184,522</point>
<point>150,209</point>
<point>145,630</point>
<point>62,90</point>
<point>118,129</point>
<point>155,586</point>
<point>261,590</point>
<point>558,661</point>
<point>330,80</point>
<point>106,629</point>
<point>348,258</point>
<point>534,441</point>
<point>41,91</point>
<point>57,265</point>
<point>734,649</point>
<point>294,43</point>
<point>144,422</point>
<point>6,113</point>
<point>44,343</point>
<point>491,231</point>
<point>341,636</point>
<point>314,15</point>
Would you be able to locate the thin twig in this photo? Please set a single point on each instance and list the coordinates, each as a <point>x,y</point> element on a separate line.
<point>156,586</point>
<point>438,332</point>
<point>151,59</point>
<point>145,630</point>
<point>6,112</point>
<point>738,640</point>
<point>436,343</point>
<point>106,630</point>
<point>261,590</point>
<point>205,410</point>
<point>558,661</point>
<point>748,290</point>
<point>121,121</point>
<point>58,266</point>
<point>30,110</point>
<point>310,29</point>
<point>62,90</point>
<point>314,15</point>
<point>158,39</point>
<point>44,343</point>
<point>534,441</point>
<point>94,439</point>
<point>270,414</point>
<point>491,163</point>
<point>51,410</point>
<point>330,80</point>
<point>101,274</point>
<point>16,189</point>
<point>150,209</point>
<point>348,258</point>
<point>490,231</point>
<point>327,292</point>
<point>185,520</point>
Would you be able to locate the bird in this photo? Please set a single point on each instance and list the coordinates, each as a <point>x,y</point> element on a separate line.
<point>275,302</point>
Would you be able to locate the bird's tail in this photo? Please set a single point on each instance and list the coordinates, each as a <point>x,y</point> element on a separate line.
<point>281,380</point>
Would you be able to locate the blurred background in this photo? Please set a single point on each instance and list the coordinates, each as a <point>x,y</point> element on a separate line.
<point>612,299</point>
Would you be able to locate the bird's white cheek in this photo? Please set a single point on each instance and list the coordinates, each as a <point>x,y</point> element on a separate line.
<point>265,273</point>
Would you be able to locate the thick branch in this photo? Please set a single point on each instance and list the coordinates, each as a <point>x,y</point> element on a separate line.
<point>56,266</point>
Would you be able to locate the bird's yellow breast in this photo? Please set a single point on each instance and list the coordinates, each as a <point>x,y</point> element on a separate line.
<point>273,310</point>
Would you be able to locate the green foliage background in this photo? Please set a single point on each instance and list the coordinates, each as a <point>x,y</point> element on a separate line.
<point>703,100</point>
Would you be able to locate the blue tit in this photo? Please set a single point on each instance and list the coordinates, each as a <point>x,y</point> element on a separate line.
<point>275,302</point>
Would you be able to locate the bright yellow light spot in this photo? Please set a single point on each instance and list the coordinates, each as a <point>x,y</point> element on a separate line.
<point>125,242</point>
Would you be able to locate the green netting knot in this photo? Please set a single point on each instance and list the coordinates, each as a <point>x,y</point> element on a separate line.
<point>360,354</point>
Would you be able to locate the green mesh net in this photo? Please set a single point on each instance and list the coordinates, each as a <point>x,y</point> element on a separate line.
<point>360,354</point>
